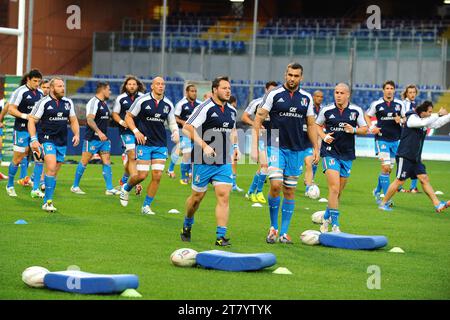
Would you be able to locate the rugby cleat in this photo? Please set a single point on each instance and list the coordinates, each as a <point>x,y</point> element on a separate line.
<point>324,226</point>
<point>185,234</point>
<point>171,174</point>
<point>247,196</point>
<point>285,239</point>
<point>138,189</point>
<point>25,182</point>
<point>147,210</point>
<point>236,188</point>
<point>3,176</point>
<point>336,229</point>
<point>37,194</point>
<point>184,181</point>
<point>385,207</point>
<point>223,242</point>
<point>272,236</point>
<point>442,206</point>
<point>11,192</point>
<point>123,197</point>
<point>414,190</point>
<point>112,192</point>
<point>377,196</point>
<point>77,190</point>
<point>253,198</point>
<point>260,197</point>
<point>48,206</point>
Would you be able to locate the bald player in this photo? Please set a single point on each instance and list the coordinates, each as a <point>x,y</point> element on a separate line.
<point>337,125</point>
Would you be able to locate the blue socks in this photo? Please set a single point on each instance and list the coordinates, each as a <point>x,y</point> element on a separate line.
<point>274,205</point>
<point>24,168</point>
<point>221,232</point>
<point>314,168</point>
<point>287,210</point>
<point>334,217</point>
<point>78,174</point>
<point>107,175</point>
<point>413,184</point>
<point>50,183</point>
<point>124,178</point>
<point>254,184</point>
<point>261,180</point>
<point>184,167</point>
<point>127,187</point>
<point>188,222</point>
<point>378,188</point>
<point>234,180</point>
<point>37,172</point>
<point>12,170</point>
<point>148,201</point>
<point>173,160</point>
<point>327,214</point>
<point>384,182</point>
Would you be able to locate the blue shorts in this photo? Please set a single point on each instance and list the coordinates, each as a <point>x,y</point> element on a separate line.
<point>287,160</point>
<point>21,140</point>
<point>96,146</point>
<point>202,174</point>
<point>306,153</point>
<point>1,132</point>
<point>147,153</point>
<point>185,144</point>
<point>408,169</point>
<point>344,167</point>
<point>128,141</point>
<point>386,151</point>
<point>52,149</point>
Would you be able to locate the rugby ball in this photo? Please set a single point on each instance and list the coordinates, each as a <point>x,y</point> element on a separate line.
<point>184,257</point>
<point>317,217</point>
<point>310,237</point>
<point>313,192</point>
<point>34,276</point>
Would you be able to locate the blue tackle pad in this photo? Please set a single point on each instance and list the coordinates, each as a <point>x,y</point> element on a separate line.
<point>351,241</point>
<point>230,261</point>
<point>90,283</point>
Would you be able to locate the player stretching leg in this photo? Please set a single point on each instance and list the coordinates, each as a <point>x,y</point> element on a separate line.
<point>132,88</point>
<point>20,105</point>
<point>255,193</point>
<point>290,108</point>
<point>183,109</point>
<point>211,127</point>
<point>151,110</point>
<point>342,121</point>
<point>409,154</point>
<point>53,112</point>
<point>96,141</point>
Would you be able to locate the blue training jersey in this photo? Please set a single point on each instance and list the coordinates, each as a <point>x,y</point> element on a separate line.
<point>214,125</point>
<point>386,111</point>
<point>151,115</point>
<point>122,105</point>
<point>54,116</point>
<point>334,119</point>
<point>25,99</point>
<point>288,113</point>
<point>100,109</point>
<point>184,108</point>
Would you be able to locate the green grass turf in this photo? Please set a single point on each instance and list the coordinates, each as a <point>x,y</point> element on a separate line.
<point>95,233</point>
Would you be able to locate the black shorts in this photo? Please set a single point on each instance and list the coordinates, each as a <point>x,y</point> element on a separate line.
<point>409,169</point>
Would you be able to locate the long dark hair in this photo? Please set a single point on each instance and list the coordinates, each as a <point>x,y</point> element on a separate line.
<point>141,86</point>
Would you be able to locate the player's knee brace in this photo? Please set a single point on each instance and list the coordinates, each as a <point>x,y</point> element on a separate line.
<point>276,174</point>
<point>290,181</point>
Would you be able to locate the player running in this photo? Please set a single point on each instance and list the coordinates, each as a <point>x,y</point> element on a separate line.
<point>409,154</point>
<point>95,139</point>
<point>310,166</point>
<point>337,125</point>
<point>290,108</point>
<point>183,109</point>
<point>409,101</point>
<point>255,193</point>
<point>20,105</point>
<point>212,127</point>
<point>52,113</point>
<point>389,112</point>
<point>151,110</point>
<point>132,88</point>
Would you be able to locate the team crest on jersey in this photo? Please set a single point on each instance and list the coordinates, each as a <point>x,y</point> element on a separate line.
<point>332,162</point>
<point>304,102</point>
<point>353,116</point>
<point>397,108</point>
<point>66,106</point>
<point>140,153</point>
<point>166,109</point>
<point>197,179</point>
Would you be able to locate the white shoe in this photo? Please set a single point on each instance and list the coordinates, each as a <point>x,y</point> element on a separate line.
<point>324,226</point>
<point>37,194</point>
<point>236,188</point>
<point>48,206</point>
<point>112,192</point>
<point>11,192</point>
<point>77,190</point>
<point>123,197</point>
<point>147,210</point>
<point>336,229</point>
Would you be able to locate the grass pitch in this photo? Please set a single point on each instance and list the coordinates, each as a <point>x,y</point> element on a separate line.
<point>96,234</point>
